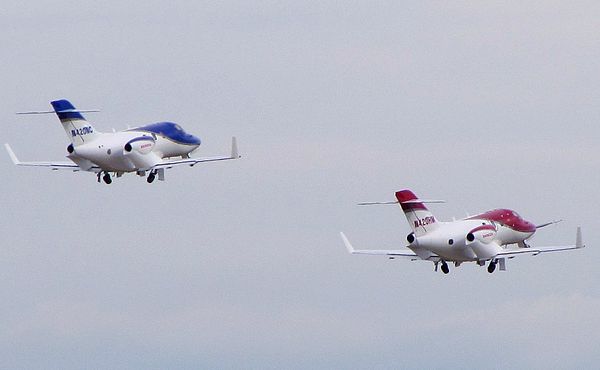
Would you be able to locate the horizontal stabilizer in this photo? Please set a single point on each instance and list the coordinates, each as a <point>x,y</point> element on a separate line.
<point>62,111</point>
<point>412,201</point>
<point>375,203</point>
<point>423,201</point>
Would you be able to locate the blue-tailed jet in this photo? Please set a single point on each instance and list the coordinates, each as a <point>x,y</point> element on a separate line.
<point>146,150</point>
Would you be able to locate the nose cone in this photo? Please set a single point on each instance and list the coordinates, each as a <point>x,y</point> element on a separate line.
<point>521,226</point>
<point>529,227</point>
<point>195,140</point>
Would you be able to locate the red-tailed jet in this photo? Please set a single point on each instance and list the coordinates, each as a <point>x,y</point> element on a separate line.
<point>492,236</point>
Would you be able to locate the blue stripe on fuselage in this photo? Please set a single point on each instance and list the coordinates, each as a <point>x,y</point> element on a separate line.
<point>141,138</point>
<point>172,131</point>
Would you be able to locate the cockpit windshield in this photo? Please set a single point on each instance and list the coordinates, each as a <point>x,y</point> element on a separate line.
<point>171,131</point>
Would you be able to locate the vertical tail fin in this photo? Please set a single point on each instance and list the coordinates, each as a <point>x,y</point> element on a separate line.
<point>78,129</point>
<point>420,219</point>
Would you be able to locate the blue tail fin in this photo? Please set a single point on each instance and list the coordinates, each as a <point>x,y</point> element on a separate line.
<point>78,129</point>
<point>65,110</point>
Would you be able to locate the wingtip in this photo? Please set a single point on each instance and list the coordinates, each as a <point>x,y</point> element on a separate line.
<point>579,239</point>
<point>347,243</point>
<point>234,148</point>
<point>11,153</point>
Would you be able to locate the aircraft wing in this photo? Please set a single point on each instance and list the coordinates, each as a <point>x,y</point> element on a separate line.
<point>192,161</point>
<point>52,165</point>
<point>513,252</point>
<point>402,253</point>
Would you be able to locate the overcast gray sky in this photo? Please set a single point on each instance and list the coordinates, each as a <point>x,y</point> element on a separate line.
<point>240,264</point>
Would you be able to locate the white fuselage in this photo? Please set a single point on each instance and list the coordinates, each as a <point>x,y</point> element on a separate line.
<point>109,151</point>
<point>468,240</point>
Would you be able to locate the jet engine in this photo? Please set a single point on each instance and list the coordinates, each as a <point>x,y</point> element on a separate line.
<point>481,241</point>
<point>141,145</point>
<point>483,234</point>
<point>139,152</point>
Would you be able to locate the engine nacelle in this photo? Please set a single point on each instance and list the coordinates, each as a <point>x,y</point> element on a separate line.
<point>483,234</point>
<point>138,152</point>
<point>481,241</point>
<point>70,149</point>
<point>141,145</point>
<point>410,238</point>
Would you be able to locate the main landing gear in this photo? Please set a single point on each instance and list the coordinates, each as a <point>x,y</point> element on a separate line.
<point>160,173</point>
<point>492,266</point>
<point>151,176</point>
<point>445,268</point>
<point>107,179</point>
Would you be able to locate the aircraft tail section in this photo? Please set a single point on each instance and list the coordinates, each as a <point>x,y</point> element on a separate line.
<point>78,129</point>
<point>421,220</point>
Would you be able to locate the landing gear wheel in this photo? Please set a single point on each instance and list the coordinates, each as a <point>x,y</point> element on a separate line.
<point>107,178</point>
<point>151,177</point>
<point>445,268</point>
<point>492,267</point>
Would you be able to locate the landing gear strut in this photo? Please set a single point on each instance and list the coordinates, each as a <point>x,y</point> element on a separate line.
<point>492,266</point>
<point>445,268</point>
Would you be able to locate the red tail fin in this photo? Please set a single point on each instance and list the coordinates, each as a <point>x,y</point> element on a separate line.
<point>409,201</point>
<point>418,216</point>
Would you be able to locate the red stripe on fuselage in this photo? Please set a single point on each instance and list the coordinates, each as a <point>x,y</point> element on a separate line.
<point>483,227</point>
